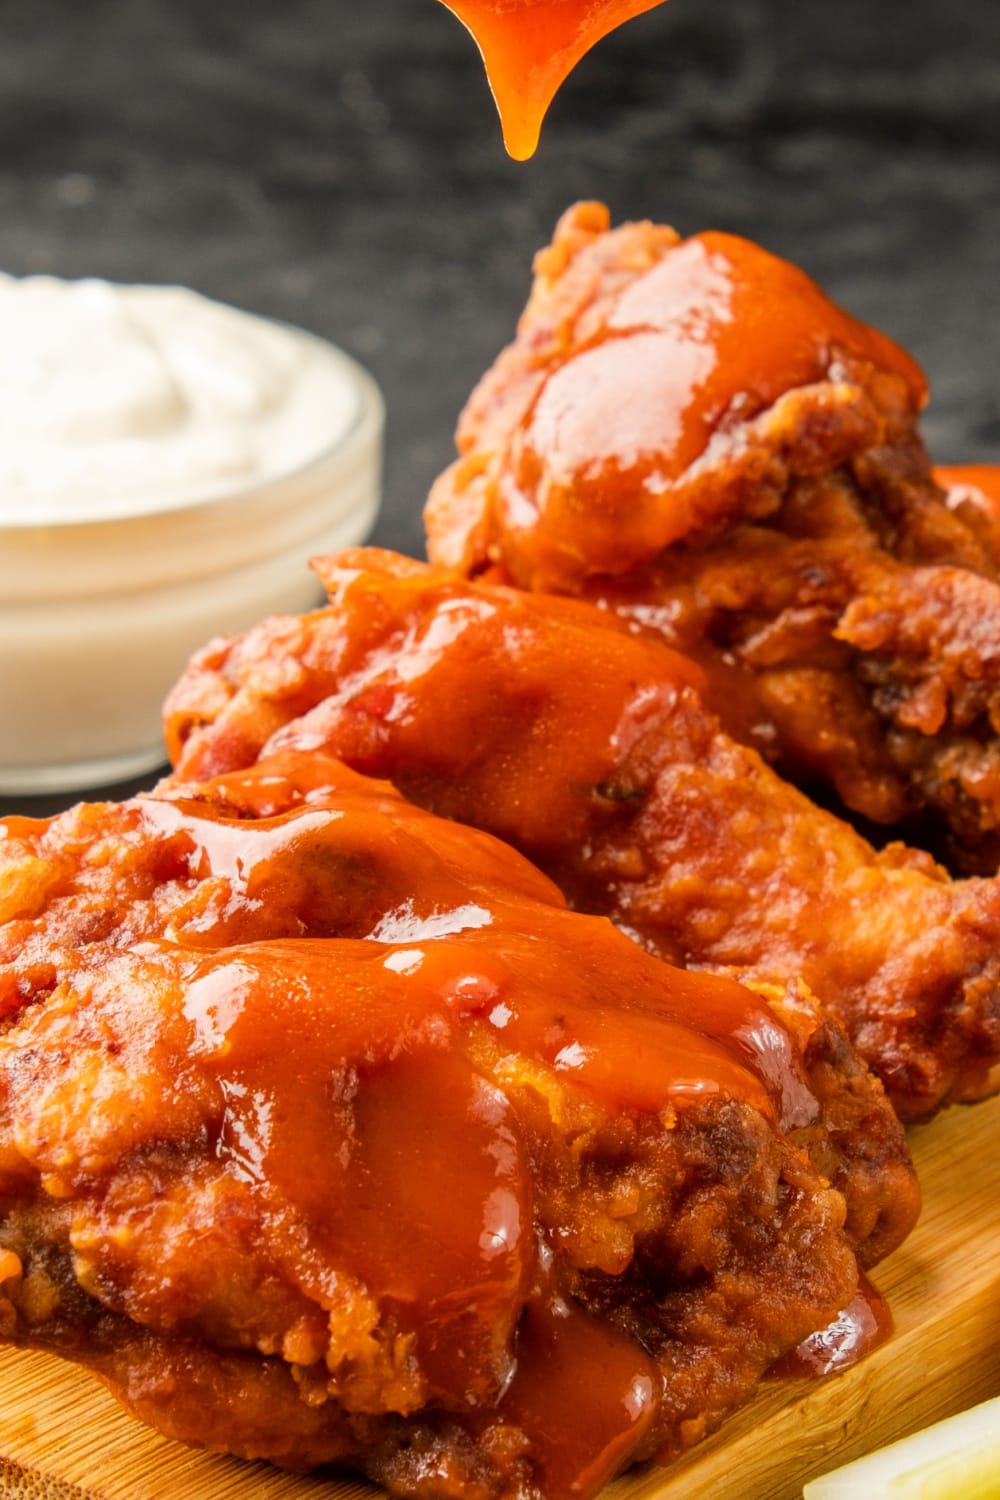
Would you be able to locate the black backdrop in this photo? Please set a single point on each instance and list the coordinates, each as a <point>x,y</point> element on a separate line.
<point>338,163</point>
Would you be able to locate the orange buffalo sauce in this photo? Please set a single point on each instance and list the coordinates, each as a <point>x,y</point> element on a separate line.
<point>378,1025</point>
<point>973,490</point>
<point>530,47</point>
<point>862,1326</point>
<point>974,484</point>
<point>619,421</point>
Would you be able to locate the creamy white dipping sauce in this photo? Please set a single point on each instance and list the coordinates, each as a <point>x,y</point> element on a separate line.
<point>118,400</point>
<point>168,465</point>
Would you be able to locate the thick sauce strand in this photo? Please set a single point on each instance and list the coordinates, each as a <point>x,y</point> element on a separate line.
<point>530,47</point>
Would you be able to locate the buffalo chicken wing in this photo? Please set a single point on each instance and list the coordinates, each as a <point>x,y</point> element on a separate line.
<point>328,1134</point>
<point>691,433</point>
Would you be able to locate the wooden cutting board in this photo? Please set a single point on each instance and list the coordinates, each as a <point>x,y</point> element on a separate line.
<point>62,1437</point>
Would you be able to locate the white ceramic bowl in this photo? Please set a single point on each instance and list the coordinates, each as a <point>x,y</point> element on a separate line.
<point>98,617</point>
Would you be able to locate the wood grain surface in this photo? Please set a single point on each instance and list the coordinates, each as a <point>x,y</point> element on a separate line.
<point>62,1437</point>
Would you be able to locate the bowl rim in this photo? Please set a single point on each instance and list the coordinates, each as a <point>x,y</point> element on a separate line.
<point>369,403</point>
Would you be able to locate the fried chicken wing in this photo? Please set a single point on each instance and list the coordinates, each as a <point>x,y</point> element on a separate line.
<point>690,432</point>
<point>328,1134</point>
<point>588,746</point>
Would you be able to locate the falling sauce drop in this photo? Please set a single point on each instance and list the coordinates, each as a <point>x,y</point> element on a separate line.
<point>530,47</point>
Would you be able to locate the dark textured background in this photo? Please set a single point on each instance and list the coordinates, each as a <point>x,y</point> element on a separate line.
<point>338,163</point>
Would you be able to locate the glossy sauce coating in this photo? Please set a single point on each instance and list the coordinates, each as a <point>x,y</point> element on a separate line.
<point>797,546</point>
<point>864,1324</point>
<point>472,950</point>
<point>612,1414</point>
<point>586,745</point>
<point>380,1042</point>
<point>718,326</point>
<point>975,488</point>
<point>474,929</point>
<point>984,478</point>
<point>329,1056</point>
<point>521,757</point>
<point>530,47</point>
<point>601,472</point>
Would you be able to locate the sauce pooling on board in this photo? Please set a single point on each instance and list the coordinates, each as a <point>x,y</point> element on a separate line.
<point>862,1326</point>
<point>530,47</point>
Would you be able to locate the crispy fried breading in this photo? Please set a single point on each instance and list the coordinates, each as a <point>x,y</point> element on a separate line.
<point>327,1133</point>
<point>690,432</point>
